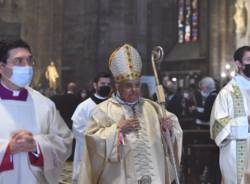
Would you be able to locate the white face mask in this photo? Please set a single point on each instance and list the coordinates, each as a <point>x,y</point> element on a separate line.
<point>21,75</point>
<point>204,94</point>
<point>83,95</point>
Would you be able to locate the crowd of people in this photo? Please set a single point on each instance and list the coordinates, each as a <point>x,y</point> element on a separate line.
<point>195,102</point>
<point>119,135</point>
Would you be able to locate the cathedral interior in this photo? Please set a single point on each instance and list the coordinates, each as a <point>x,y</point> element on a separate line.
<point>74,39</point>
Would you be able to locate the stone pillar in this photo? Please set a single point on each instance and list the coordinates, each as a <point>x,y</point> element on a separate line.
<point>222,29</point>
<point>80,41</point>
<point>214,41</point>
<point>121,22</point>
<point>141,33</point>
<point>221,42</point>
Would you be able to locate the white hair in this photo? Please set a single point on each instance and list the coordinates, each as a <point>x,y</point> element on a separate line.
<point>207,82</point>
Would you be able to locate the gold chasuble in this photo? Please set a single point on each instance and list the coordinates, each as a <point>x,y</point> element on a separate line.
<point>133,158</point>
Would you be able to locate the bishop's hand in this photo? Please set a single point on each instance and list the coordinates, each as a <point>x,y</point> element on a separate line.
<point>128,125</point>
<point>166,123</point>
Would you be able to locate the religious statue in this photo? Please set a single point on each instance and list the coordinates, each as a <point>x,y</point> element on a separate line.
<point>240,18</point>
<point>51,75</point>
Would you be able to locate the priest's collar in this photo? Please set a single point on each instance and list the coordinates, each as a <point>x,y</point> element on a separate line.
<point>97,99</point>
<point>100,97</point>
<point>242,81</point>
<point>8,94</point>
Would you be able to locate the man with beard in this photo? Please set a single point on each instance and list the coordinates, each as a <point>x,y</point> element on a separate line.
<point>124,139</point>
<point>229,123</point>
<point>102,86</point>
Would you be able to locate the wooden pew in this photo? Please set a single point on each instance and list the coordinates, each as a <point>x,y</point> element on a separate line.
<point>200,160</point>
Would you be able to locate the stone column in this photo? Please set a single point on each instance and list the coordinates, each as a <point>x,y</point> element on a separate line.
<point>214,41</point>
<point>141,32</point>
<point>221,36</point>
<point>80,41</point>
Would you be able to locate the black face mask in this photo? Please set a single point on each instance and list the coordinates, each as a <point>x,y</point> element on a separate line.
<point>246,71</point>
<point>169,92</point>
<point>104,91</point>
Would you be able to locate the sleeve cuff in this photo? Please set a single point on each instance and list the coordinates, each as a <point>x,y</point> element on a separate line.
<point>120,138</point>
<point>7,162</point>
<point>36,157</point>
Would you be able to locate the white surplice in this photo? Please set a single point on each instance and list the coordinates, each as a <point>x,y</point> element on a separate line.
<point>80,118</point>
<point>38,115</point>
<point>229,129</point>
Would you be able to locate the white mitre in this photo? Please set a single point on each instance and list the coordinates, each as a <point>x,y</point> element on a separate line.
<point>125,63</point>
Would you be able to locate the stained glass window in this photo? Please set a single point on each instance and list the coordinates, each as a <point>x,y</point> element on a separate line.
<point>187,21</point>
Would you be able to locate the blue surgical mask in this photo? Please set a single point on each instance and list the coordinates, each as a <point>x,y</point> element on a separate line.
<point>21,75</point>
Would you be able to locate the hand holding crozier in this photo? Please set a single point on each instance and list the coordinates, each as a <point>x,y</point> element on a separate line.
<point>166,123</point>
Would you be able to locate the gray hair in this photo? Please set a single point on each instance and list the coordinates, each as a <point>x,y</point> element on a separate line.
<point>207,82</point>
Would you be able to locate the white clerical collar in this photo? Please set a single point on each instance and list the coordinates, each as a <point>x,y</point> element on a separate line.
<point>100,97</point>
<point>14,92</point>
<point>242,81</point>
